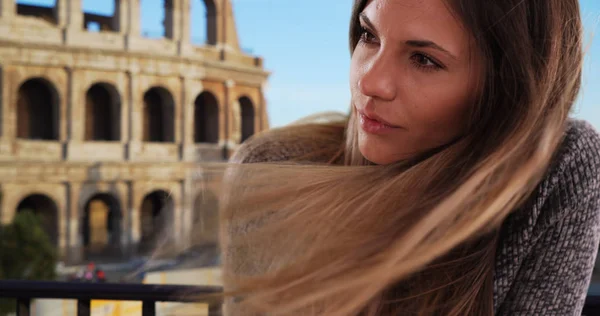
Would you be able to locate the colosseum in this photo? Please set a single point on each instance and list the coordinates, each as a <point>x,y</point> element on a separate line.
<point>101,125</point>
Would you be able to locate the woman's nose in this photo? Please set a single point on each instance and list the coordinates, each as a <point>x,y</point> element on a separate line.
<point>378,80</point>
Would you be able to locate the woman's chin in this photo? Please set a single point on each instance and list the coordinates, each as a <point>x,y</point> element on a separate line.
<point>377,154</point>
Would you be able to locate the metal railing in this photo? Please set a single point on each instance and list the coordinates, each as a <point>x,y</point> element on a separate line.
<point>26,291</point>
<point>592,302</point>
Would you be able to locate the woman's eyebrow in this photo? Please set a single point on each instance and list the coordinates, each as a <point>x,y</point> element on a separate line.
<point>430,44</point>
<point>414,43</point>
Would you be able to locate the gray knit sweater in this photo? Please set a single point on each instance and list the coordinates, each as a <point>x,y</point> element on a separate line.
<point>547,248</point>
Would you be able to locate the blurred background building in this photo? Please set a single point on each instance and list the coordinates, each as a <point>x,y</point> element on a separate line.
<point>102,128</point>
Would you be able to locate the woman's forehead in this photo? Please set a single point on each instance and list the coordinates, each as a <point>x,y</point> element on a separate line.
<point>431,20</point>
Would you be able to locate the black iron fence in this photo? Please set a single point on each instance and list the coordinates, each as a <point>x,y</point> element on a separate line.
<point>592,302</point>
<point>26,291</point>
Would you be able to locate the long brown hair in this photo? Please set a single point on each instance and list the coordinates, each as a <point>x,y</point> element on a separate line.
<point>341,236</point>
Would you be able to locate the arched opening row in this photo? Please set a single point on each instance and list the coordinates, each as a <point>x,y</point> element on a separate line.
<point>38,116</point>
<point>157,19</point>
<point>102,226</point>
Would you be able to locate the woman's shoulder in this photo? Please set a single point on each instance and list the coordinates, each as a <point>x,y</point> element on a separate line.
<point>547,246</point>
<point>570,187</point>
<point>573,178</point>
<point>575,172</point>
<point>288,143</point>
<point>580,150</point>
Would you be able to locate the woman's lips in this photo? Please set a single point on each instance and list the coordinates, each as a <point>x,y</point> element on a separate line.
<point>374,125</point>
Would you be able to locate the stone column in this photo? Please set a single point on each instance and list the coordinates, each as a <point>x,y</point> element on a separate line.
<point>130,18</point>
<point>230,123</point>
<point>215,19</point>
<point>172,12</point>
<point>229,34</point>
<point>75,248</point>
<point>185,10</point>
<point>183,26</point>
<point>120,19</point>
<point>187,119</point>
<point>61,12</point>
<point>135,116</point>
<point>134,235</point>
<point>5,99</point>
<point>178,236</point>
<point>262,108</point>
<point>8,9</point>
<point>187,216</point>
<point>74,14</point>
<point>70,18</point>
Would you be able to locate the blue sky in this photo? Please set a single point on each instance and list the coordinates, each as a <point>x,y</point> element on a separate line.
<point>304,44</point>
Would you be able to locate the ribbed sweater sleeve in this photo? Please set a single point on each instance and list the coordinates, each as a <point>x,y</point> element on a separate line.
<point>559,235</point>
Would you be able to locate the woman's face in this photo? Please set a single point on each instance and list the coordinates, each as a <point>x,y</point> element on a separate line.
<point>413,78</point>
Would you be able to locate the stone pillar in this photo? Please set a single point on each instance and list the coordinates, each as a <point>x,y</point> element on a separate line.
<point>184,38</point>
<point>8,9</point>
<point>262,110</point>
<point>187,119</point>
<point>187,218</point>
<point>229,34</point>
<point>76,107</point>
<point>172,12</point>
<point>5,98</point>
<point>131,18</point>
<point>134,232</point>
<point>61,11</point>
<point>135,116</point>
<point>185,10</point>
<point>75,247</point>
<point>230,124</point>
<point>178,236</point>
<point>215,25</point>
<point>121,17</point>
<point>74,14</point>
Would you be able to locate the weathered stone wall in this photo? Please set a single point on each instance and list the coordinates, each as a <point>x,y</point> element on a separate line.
<point>71,169</point>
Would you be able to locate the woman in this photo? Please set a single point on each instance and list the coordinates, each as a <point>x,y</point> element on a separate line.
<point>457,186</point>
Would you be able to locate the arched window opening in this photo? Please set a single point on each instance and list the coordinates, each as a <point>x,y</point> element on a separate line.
<point>247,118</point>
<point>155,215</point>
<point>203,22</point>
<point>159,116</point>
<point>101,16</point>
<point>37,110</point>
<point>45,208</point>
<point>101,225</point>
<point>206,119</point>
<point>42,9</point>
<point>205,219</point>
<point>155,17</point>
<point>102,113</point>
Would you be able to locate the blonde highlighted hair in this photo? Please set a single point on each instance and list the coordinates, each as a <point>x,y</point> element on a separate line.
<point>329,233</point>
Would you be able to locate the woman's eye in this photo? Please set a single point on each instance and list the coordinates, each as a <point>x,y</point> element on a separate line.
<point>366,36</point>
<point>425,62</point>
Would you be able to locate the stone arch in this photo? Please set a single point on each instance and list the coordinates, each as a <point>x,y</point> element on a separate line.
<point>156,213</point>
<point>46,208</point>
<point>209,10</point>
<point>206,118</point>
<point>158,116</point>
<point>102,113</point>
<point>38,106</point>
<point>101,227</point>
<point>247,114</point>
<point>205,217</point>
